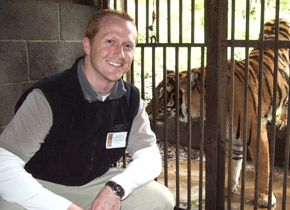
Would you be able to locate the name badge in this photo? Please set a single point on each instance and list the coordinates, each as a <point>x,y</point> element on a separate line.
<point>116,140</point>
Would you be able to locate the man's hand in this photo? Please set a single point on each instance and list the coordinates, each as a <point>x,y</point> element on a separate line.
<point>74,207</point>
<point>106,200</point>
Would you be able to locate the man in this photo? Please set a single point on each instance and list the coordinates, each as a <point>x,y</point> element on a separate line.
<point>70,127</point>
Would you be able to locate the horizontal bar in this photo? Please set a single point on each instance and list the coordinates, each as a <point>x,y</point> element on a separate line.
<point>170,45</point>
<point>256,43</point>
<point>234,43</point>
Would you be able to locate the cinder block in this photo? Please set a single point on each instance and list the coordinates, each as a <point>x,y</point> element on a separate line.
<point>48,57</point>
<point>73,20</point>
<point>13,62</point>
<point>9,95</point>
<point>28,20</point>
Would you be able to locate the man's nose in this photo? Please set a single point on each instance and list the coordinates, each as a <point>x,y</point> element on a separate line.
<point>119,50</point>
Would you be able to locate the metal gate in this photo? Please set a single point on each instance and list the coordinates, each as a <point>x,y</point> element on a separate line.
<point>169,39</point>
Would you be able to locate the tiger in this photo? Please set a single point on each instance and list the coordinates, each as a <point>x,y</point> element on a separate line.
<point>238,116</point>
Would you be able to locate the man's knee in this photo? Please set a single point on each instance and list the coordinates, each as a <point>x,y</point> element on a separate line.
<point>163,199</point>
<point>153,196</point>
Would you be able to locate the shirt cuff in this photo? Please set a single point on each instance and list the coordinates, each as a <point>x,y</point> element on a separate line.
<point>145,167</point>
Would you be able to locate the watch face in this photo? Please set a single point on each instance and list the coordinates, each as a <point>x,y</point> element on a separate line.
<point>118,190</point>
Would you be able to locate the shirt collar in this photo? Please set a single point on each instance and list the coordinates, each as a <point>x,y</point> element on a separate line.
<point>91,94</point>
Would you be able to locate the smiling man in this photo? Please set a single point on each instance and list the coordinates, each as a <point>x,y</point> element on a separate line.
<point>71,126</point>
<point>110,52</point>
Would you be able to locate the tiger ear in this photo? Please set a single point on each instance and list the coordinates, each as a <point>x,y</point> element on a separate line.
<point>193,77</point>
<point>184,81</point>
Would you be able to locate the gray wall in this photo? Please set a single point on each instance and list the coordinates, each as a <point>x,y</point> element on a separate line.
<point>36,39</point>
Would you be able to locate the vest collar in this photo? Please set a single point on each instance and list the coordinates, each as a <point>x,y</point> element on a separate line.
<point>93,95</point>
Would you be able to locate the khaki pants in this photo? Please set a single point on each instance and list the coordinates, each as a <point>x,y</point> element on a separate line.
<point>151,196</point>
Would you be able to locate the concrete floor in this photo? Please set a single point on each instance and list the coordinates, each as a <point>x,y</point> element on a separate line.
<point>250,183</point>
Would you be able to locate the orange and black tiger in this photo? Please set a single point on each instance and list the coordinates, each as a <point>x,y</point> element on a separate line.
<point>238,118</point>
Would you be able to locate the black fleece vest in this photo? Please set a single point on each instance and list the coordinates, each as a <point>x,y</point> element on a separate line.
<point>74,152</point>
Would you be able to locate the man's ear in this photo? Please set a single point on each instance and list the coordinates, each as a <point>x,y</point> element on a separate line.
<point>86,45</point>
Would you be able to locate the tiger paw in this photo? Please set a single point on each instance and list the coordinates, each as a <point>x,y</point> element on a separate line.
<point>281,124</point>
<point>263,200</point>
<point>233,190</point>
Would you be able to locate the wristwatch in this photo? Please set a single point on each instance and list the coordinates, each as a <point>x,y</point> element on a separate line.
<point>116,188</point>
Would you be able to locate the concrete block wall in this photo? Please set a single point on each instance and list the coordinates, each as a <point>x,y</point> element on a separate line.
<point>36,38</point>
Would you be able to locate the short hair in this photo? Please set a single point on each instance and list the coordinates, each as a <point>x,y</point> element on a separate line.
<point>93,25</point>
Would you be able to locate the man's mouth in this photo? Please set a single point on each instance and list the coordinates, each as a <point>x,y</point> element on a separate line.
<point>114,64</point>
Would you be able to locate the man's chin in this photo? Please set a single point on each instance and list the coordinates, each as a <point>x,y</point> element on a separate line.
<point>115,79</point>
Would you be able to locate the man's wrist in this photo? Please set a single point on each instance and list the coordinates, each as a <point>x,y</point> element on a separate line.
<point>116,188</point>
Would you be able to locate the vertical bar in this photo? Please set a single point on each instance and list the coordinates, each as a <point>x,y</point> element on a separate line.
<point>177,124</point>
<point>147,21</point>
<point>124,161</point>
<point>261,47</point>
<point>231,107</point>
<point>153,90</point>
<point>153,78</point>
<point>273,127</point>
<point>222,100</point>
<point>192,20</point>
<point>211,105</point>
<point>245,126</point>
<point>201,145</point>
<point>132,73</point>
<point>157,20</point>
<point>286,160</point>
<point>165,119</point>
<point>136,14</point>
<point>189,127</point>
<point>169,21</point>
<point>180,21</point>
<point>142,74</point>
<point>216,29</point>
<point>125,5</point>
<point>104,4</point>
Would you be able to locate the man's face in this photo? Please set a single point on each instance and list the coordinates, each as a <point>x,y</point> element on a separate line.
<point>112,49</point>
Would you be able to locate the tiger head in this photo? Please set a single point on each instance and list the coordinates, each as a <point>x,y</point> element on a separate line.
<point>169,107</point>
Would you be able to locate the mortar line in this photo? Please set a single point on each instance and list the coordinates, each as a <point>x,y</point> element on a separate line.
<point>58,22</point>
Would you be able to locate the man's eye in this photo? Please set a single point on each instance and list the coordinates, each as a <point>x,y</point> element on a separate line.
<point>128,46</point>
<point>110,41</point>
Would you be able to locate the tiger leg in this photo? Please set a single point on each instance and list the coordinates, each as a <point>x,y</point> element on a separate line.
<point>237,158</point>
<point>264,168</point>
